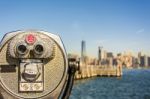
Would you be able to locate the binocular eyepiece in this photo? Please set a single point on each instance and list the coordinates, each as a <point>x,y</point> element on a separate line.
<point>32,46</point>
<point>21,49</point>
<point>39,49</point>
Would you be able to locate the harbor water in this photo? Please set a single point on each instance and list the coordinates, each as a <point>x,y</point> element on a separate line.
<point>134,84</point>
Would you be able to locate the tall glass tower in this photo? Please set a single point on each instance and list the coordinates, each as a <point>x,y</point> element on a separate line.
<point>83,50</point>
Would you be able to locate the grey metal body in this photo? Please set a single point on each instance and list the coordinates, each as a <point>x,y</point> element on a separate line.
<point>53,67</point>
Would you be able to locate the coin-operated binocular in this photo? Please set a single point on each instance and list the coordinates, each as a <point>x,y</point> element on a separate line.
<point>34,65</point>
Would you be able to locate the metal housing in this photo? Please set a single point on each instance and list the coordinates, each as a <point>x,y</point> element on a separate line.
<point>55,66</point>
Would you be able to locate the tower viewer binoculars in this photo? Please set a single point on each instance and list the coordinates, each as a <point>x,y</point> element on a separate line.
<point>34,65</point>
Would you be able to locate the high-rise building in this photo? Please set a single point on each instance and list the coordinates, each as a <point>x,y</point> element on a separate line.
<point>144,60</point>
<point>148,61</point>
<point>83,50</point>
<point>139,57</point>
<point>110,61</point>
<point>104,54</point>
<point>109,55</point>
<point>139,54</point>
<point>135,62</point>
<point>99,55</point>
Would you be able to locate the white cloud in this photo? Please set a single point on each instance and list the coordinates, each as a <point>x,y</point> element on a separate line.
<point>102,41</point>
<point>140,31</point>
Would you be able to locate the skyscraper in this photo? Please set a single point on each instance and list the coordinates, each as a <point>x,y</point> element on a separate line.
<point>144,60</point>
<point>148,61</point>
<point>83,50</point>
<point>139,58</point>
<point>99,54</point>
<point>110,55</point>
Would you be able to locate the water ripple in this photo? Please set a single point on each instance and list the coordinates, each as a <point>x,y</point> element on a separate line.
<point>134,84</point>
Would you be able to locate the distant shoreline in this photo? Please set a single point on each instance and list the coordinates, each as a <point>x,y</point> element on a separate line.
<point>139,67</point>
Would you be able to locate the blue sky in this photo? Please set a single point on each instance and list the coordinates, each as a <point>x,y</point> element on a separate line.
<point>117,25</point>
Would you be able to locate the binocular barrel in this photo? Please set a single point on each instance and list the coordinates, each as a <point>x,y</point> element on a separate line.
<point>39,49</point>
<point>22,49</point>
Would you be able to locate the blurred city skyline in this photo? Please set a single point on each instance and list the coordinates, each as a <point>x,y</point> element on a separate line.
<point>117,25</point>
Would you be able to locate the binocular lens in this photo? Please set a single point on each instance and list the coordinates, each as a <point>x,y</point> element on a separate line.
<point>22,49</point>
<point>39,49</point>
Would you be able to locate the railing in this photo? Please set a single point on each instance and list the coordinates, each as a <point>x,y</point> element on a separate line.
<point>96,70</point>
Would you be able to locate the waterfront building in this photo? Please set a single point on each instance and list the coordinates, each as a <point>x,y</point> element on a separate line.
<point>92,61</point>
<point>128,59</point>
<point>135,62</point>
<point>110,55</point>
<point>144,60</point>
<point>110,61</point>
<point>109,58</point>
<point>99,55</point>
<point>83,51</point>
<point>104,54</point>
<point>139,57</point>
<point>119,54</point>
<point>139,54</point>
<point>114,62</point>
<point>148,61</point>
